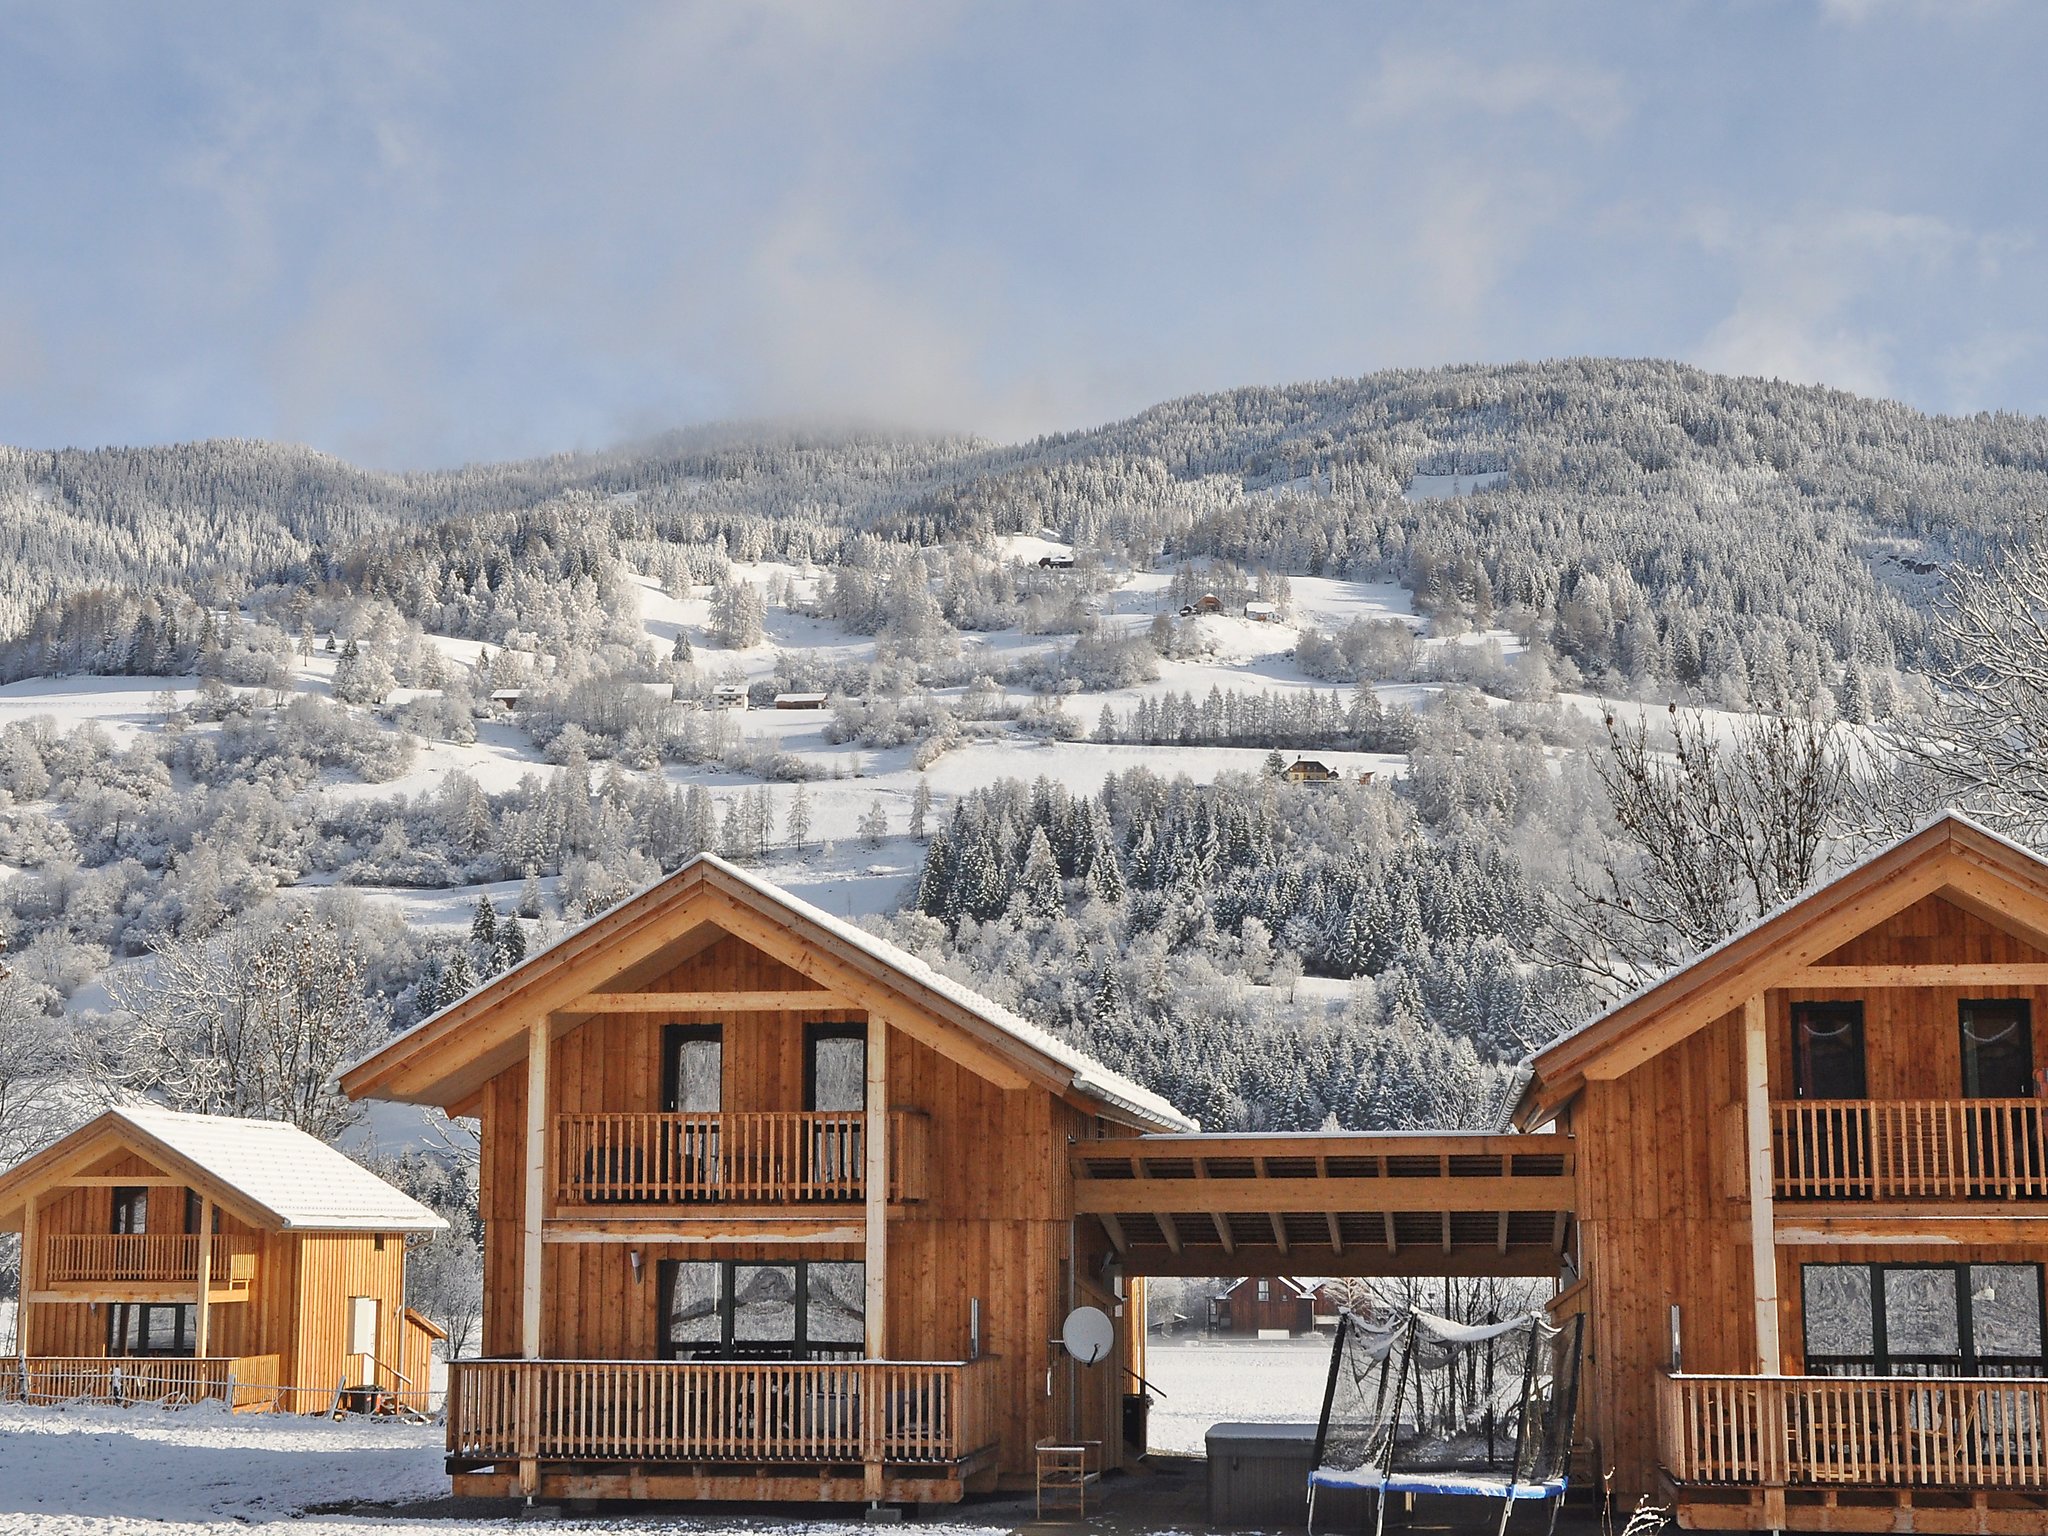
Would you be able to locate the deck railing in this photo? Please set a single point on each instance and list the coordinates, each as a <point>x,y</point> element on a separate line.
<point>606,1158</point>
<point>808,1412</point>
<point>1881,1432</point>
<point>239,1381</point>
<point>79,1258</point>
<point>1904,1149</point>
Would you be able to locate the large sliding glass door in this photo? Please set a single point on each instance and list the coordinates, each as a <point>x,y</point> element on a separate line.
<point>1923,1319</point>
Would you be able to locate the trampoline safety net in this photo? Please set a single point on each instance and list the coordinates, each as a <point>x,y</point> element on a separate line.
<point>1426,1405</point>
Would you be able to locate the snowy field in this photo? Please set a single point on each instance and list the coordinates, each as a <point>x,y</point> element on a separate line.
<point>1198,1383</point>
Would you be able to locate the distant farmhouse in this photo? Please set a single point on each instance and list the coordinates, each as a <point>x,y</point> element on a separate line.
<point>1306,770</point>
<point>800,700</point>
<point>729,696</point>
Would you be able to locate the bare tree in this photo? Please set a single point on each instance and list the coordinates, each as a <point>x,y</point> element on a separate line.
<point>1714,833</point>
<point>255,1019</point>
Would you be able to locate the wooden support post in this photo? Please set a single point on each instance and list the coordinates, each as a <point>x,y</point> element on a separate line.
<point>1763,1244</point>
<point>201,1332</point>
<point>31,1281</point>
<point>537,1047</point>
<point>876,1254</point>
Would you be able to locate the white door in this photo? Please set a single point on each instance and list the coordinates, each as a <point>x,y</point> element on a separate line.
<point>362,1338</point>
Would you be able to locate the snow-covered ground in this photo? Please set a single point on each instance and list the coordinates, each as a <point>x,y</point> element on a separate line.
<point>1199,1382</point>
<point>1440,487</point>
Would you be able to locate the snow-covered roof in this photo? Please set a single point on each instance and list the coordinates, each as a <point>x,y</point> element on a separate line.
<point>1089,1076</point>
<point>303,1182</point>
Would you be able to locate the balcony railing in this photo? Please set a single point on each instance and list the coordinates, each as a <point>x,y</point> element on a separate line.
<point>144,1258</point>
<point>1880,1432</point>
<point>605,1159</point>
<point>240,1381</point>
<point>788,1412</point>
<point>1910,1149</point>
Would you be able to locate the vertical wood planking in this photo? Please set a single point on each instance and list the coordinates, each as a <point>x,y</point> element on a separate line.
<point>1762,1229</point>
<point>536,1188</point>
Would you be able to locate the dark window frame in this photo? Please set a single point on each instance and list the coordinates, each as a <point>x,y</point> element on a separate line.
<point>184,1330</point>
<point>814,1035</point>
<point>800,1347</point>
<point>2026,1024</point>
<point>126,1202</point>
<point>1880,1360</point>
<point>1802,1086</point>
<point>673,1037</point>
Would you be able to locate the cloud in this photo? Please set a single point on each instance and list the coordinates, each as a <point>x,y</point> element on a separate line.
<point>1414,84</point>
<point>1813,290</point>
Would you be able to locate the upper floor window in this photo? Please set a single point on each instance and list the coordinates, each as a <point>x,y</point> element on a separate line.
<point>835,1068</point>
<point>693,1069</point>
<point>1265,1290</point>
<point>1998,1048</point>
<point>1827,1051</point>
<point>131,1210</point>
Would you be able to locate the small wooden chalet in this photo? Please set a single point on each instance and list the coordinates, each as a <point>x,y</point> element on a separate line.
<point>800,700</point>
<point>170,1256</point>
<point>1308,770</point>
<point>1812,1207</point>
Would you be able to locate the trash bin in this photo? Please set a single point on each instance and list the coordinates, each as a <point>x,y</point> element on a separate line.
<point>1137,1420</point>
<point>359,1400</point>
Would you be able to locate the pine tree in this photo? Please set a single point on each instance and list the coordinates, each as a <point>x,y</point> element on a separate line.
<point>796,823</point>
<point>1038,885</point>
<point>483,935</point>
<point>511,943</point>
<point>529,894</point>
<point>920,806</point>
<point>874,826</point>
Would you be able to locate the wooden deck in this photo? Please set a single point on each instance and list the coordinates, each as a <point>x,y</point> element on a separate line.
<point>762,1159</point>
<point>1352,1203</point>
<point>811,1429</point>
<point>1910,1149</point>
<point>1830,1453</point>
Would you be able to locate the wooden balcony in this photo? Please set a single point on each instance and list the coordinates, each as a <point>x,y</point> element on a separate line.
<point>151,1262</point>
<point>1848,1432</point>
<point>934,1418</point>
<point>758,1159</point>
<point>1910,1149</point>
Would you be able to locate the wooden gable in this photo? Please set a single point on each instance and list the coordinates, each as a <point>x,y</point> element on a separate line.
<point>115,1150</point>
<point>1951,890</point>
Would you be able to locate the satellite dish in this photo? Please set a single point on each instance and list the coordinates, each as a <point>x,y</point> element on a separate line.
<point>1088,1334</point>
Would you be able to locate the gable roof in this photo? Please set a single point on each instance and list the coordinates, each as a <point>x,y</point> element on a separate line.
<point>1952,856</point>
<point>271,1174</point>
<point>446,1057</point>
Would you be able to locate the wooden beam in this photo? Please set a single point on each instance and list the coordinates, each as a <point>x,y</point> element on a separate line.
<point>1315,1196</point>
<point>115,1181</point>
<point>1803,1230</point>
<point>1279,1231</point>
<point>202,1330</point>
<point>1387,1220</point>
<point>822,999</point>
<point>1427,1261</point>
<point>1336,1232</point>
<point>877,1191</point>
<point>1170,1229</point>
<point>1115,1229</point>
<point>31,1277</point>
<point>678,1232</point>
<point>2014,974</point>
<point>538,1045</point>
<point>1763,1253</point>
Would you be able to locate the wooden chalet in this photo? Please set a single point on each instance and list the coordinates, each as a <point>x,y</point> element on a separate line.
<point>1812,1206</point>
<point>170,1256</point>
<point>1309,770</point>
<point>774,1211</point>
<point>1264,1306</point>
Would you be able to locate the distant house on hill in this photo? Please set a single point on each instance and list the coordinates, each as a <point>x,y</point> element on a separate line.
<point>729,696</point>
<point>1262,613</point>
<point>1306,770</point>
<point>800,701</point>
<point>1208,602</point>
<point>506,698</point>
<point>1056,562</point>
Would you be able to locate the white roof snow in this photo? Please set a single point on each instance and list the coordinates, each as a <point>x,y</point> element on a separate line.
<point>305,1182</point>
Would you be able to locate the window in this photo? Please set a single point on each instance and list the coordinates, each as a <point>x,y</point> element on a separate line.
<point>735,1310</point>
<point>131,1211</point>
<point>1265,1290</point>
<point>693,1069</point>
<point>1827,1043</point>
<point>1998,1048</point>
<point>1923,1319</point>
<point>135,1330</point>
<point>836,1068</point>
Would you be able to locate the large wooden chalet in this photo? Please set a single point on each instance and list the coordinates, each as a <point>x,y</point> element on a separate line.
<point>1812,1206</point>
<point>178,1257</point>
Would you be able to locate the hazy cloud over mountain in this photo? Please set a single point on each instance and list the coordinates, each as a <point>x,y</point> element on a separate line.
<point>415,236</point>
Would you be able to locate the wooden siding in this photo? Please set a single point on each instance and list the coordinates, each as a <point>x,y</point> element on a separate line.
<point>994,1224</point>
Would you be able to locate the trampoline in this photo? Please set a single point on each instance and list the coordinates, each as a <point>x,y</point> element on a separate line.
<point>1426,1405</point>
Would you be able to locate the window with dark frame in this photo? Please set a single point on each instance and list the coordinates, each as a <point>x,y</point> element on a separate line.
<point>693,1069</point>
<point>740,1310</point>
<point>1827,1050</point>
<point>1936,1320</point>
<point>1997,1041</point>
<point>130,1212</point>
<point>835,1068</point>
<point>136,1330</point>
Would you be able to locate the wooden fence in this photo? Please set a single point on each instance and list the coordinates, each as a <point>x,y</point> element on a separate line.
<point>612,1158</point>
<point>809,1412</point>
<point>1880,1432</point>
<point>1935,1149</point>
<point>240,1381</point>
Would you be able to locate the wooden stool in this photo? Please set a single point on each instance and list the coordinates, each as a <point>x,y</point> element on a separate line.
<point>1063,1480</point>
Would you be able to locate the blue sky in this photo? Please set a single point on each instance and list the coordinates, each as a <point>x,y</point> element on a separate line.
<point>417,235</point>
